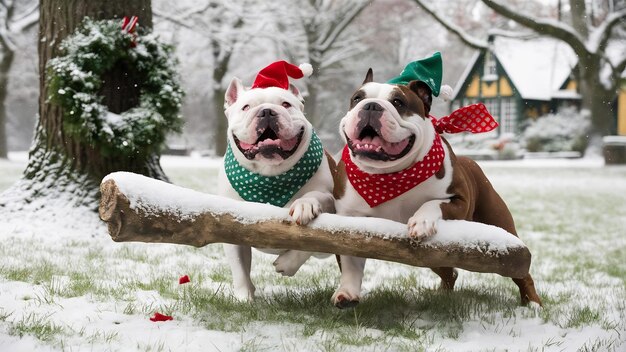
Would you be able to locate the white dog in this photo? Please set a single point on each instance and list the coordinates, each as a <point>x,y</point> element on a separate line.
<point>274,156</point>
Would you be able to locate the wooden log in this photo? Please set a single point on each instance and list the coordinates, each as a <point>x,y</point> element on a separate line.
<point>137,208</point>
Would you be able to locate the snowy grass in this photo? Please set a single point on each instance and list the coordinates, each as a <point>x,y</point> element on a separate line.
<point>71,288</point>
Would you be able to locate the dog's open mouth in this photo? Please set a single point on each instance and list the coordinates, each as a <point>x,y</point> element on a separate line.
<point>269,144</point>
<point>370,144</point>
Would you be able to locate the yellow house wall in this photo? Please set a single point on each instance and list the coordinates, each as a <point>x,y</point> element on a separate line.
<point>571,85</point>
<point>489,89</point>
<point>505,88</point>
<point>621,111</point>
<point>473,89</point>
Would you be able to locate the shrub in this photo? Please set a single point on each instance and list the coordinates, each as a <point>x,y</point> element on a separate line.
<point>564,131</point>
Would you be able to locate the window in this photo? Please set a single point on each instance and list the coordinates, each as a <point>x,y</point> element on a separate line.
<point>490,72</point>
<point>508,114</point>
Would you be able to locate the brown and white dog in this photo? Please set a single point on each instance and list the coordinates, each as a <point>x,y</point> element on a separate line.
<point>388,130</point>
<point>268,135</point>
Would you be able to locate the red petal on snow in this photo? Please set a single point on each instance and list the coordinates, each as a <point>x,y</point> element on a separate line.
<point>183,280</point>
<point>160,317</point>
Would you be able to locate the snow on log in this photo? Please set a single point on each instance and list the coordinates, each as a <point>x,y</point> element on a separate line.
<point>138,208</point>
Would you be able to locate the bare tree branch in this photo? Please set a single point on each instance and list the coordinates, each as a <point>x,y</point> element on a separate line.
<point>6,42</point>
<point>170,18</point>
<point>27,20</point>
<point>34,8</point>
<point>619,69</point>
<point>603,32</point>
<point>198,10</point>
<point>458,31</point>
<point>547,27</point>
<point>341,26</point>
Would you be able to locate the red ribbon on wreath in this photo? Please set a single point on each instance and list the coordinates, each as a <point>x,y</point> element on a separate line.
<point>128,26</point>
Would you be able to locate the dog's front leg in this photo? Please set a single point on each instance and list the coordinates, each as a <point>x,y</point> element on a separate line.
<point>349,292</point>
<point>302,211</point>
<point>240,260</point>
<point>310,205</point>
<point>423,224</point>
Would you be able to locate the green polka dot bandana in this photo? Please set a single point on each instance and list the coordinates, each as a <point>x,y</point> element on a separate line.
<point>276,190</point>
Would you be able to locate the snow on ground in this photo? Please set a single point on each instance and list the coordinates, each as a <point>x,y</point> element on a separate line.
<point>64,285</point>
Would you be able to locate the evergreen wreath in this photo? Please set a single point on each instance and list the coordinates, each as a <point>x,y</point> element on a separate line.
<point>74,81</point>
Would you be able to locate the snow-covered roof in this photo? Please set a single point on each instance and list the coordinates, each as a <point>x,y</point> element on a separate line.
<point>537,67</point>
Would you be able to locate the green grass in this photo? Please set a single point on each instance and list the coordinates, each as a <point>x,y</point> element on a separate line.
<point>39,326</point>
<point>572,222</point>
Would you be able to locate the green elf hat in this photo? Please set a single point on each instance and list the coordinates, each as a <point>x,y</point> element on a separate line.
<point>429,71</point>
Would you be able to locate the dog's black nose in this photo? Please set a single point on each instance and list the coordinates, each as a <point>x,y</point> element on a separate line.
<point>266,113</point>
<point>372,106</point>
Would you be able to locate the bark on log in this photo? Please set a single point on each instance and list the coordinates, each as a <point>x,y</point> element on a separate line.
<point>137,208</point>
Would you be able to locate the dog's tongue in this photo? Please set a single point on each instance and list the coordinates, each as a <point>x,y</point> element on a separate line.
<point>288,144</point>
<point>375,144</point>
<point>395,148</point>
<point>284,144</point>
<point>245,145</point>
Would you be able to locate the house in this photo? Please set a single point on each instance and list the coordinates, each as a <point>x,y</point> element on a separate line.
<point>518,79</point>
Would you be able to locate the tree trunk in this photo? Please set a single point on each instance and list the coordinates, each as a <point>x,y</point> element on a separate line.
<point>221,62</point>
<point>596,98</point>
<point>580,19</point>
<point>162,213</point>
<point>58,19</point>
<point>5,67</point>
<point>221,124</point>
<point>311,103</point>
<point>311,109</point>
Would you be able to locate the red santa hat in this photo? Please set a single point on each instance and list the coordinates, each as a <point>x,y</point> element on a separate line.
<point>277,74</point>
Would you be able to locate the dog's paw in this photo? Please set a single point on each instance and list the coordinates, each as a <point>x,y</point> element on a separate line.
<point>422,227</point>
<point>344,299</point>
<point>244,294</point>
<point>288,263</point>
<point>303,210</point>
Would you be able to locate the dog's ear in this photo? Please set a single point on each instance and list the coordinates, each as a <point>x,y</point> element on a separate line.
<point>295,91</point>
<point>235,88</point>
<point>422,90</point>
<point>369,77</point>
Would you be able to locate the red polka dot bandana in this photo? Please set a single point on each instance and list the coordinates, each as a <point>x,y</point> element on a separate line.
<point>472,118</point>
<point>376,189</point>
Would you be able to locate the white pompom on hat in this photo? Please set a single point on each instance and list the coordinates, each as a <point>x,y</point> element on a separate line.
<point>446,92</point>
<point>306,69</point>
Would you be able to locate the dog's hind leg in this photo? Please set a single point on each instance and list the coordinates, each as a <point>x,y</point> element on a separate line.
<point>289,262</point>
<point>492,210</point>
<point>240,260</point>
<point>448,277</point>
<point>499,215</point>
<point>527,290</point>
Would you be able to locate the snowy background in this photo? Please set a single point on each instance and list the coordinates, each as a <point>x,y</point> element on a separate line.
<point>72,288</point>
<point>202,40</point>
<point>66,286</point>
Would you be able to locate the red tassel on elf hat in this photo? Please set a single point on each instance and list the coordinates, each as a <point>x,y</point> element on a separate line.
<point>277,74</point>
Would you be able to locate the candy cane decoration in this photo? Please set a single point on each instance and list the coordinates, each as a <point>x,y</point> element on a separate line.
<point>128,26</point>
